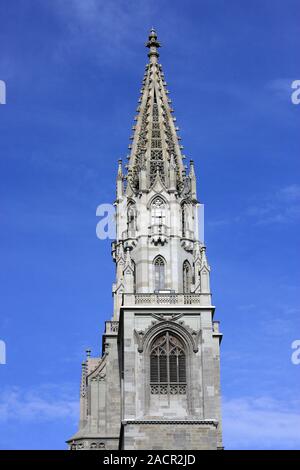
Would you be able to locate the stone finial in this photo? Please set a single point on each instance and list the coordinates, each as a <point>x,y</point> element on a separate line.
<point>128,273</point>
<point>204,261</point>
<point>120,172</point>
<point>88,353</point>
<point>192,168</point>
<point>153,45</point>
<point>127,256</point>
<point>193,180</point>
<point>120,179</point>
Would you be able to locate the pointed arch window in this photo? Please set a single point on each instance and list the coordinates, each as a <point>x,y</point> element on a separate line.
<point>158,212</point>
<point>167,365</point>
<point>183,219</point>
<point>134,275</point>
<point>187,277</point>
<point>159,273</point>
<point>131,219</point>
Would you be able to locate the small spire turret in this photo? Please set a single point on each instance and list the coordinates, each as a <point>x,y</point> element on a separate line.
<point>193,180</point>
<point>120,179</point>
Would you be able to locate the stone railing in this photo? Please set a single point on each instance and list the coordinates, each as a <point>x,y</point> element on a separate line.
<point>159,229</point>
<point>111,326</point>
<point>166,299</point>
<point>168,388</point>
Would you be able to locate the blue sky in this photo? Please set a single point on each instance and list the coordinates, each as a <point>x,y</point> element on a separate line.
<point>73,71</point>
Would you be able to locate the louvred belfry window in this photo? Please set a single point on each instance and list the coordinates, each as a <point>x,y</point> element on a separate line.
<point>167,365</point>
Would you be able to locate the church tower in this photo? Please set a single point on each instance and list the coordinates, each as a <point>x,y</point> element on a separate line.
<point>157,383</point>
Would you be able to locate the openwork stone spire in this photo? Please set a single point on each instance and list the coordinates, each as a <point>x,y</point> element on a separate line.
<point>155,148</point>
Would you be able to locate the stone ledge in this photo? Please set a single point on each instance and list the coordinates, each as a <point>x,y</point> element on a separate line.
<point>212,422</point>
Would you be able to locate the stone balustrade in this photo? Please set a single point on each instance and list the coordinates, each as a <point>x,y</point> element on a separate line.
<point>166,299</point>
<point>111,326</point>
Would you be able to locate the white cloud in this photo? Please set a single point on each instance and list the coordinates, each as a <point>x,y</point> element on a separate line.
<point>215,223</point>
<point>261,423</point>
<point>281,207</point>
<point>290,193</point>
<point>248,423</point>
<point>47,402</point>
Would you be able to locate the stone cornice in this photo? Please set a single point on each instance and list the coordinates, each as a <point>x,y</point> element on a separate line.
<point>201,422</point>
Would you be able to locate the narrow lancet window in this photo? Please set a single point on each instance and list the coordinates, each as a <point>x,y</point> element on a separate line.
<point>158,212</point>
<point>159,273</point>
<point>131,220</point>
<point>186,277</point>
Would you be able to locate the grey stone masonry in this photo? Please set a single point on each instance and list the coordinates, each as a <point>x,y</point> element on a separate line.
<point>157,383</point>
<point>161,435</point>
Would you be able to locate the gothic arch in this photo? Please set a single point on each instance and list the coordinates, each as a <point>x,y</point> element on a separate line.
<point>157,196</point>
<point>184,217</point>
<point>159,271</point>
<point>186,277</point>
<point>134,274</point>
<point>189,340</point>
<point>158,211</point>
<point>131,216</point>
<point>167,365</point>
<point>100,370</point>
<point>160,257</point>
<point>186,334</point>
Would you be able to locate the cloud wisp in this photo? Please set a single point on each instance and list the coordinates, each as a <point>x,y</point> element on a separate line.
<point>280,207</point>
<point>45,403</point>
<point>261,423</point>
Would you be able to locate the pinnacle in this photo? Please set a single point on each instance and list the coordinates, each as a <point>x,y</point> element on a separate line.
<point>153,45</point>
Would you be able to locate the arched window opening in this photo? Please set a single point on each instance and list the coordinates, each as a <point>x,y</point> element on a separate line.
<point>134,275</point>
<point>187,277</point>
<point>187,220</point>
<point>158,212</point>
<point>131,219</point>
<point>159,273</point>
<point>167,366</point>
<point>183,219</point>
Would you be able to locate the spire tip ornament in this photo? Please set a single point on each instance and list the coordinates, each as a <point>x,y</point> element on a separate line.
<point>153,45</point>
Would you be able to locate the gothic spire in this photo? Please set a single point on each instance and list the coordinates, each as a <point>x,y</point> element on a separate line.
<point>155,144</point>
